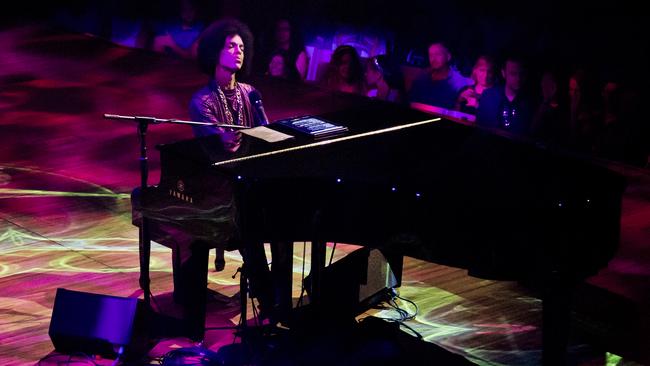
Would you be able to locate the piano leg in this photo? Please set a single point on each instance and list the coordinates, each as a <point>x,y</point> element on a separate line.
<point>318,251</point>
<point>556,319</point>
<point>282,273</point>
<point>190,264</point>
<point>145,254</point>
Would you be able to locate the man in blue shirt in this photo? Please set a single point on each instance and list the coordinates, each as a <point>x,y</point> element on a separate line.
<point>440,86</point>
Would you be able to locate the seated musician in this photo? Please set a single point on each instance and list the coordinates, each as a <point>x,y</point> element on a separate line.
<point>224,52</point>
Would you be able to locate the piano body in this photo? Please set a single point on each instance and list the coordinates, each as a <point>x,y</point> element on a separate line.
<point>430,188</point>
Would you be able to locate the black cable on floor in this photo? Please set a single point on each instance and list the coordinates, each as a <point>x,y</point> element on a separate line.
<point>417,310</point>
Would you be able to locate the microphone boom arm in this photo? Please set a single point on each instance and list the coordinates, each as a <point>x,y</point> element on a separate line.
<point>156,121</point>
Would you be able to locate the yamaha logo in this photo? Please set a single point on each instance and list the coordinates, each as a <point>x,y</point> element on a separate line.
<point>178,193</point>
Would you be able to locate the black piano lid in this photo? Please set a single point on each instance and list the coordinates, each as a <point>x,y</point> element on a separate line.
<point>393,144</point>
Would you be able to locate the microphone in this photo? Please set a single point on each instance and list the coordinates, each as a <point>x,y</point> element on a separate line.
<point>256,100</point>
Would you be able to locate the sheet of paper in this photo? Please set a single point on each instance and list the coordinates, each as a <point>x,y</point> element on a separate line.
<point>266,134</point>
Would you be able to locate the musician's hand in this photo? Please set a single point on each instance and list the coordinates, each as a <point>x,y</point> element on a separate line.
<point>231,140</point>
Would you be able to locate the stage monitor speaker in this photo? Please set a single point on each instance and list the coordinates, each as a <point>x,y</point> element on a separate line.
<point>93,323</point>
<point>357,282</point>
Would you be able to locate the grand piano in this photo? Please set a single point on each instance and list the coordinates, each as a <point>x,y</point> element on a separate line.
<point>501,207</point>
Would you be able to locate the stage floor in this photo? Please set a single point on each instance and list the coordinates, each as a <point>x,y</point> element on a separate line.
<point>65,220</point>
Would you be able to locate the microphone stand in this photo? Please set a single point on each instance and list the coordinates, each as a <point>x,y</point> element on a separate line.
<point>144,236</point>
<point>144,239</point>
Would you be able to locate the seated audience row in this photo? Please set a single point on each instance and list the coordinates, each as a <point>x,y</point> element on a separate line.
<point>570,112</point>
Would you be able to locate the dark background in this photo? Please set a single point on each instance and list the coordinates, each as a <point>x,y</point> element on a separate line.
<point>609,37</point>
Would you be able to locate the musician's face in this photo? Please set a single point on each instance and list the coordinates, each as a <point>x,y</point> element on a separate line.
<point>232,54</point>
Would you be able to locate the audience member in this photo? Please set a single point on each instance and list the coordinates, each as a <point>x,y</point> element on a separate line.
<point>583,110</point>
<point>483,77</point>
<point>280,66</point>
<point>180,37</point>
<point>441,85</point>
<point>345,73</point>
<point>380,80</point>
<point>550,122</point>
<point>287,40</point>
<point>610,141</point>
<point>506,106</point>
<point>128,26</point>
